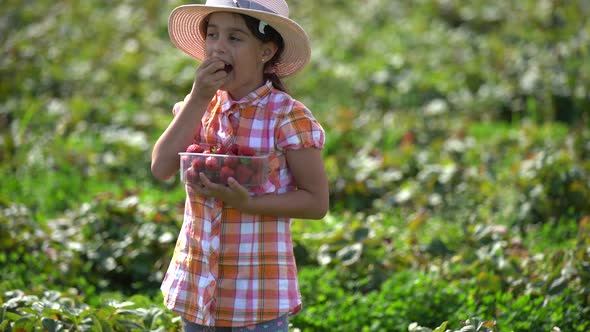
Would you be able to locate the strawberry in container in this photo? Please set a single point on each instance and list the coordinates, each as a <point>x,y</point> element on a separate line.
<point>219,163</point>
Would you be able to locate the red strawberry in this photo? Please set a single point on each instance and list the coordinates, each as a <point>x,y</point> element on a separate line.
<point>260,167</point>
<point>257,163</point>
<point>231,161</point>
<point>243,174</point>
<point>221,149</point>
<point>195,148</point>
<point>211,164</point>
<point>246,151</point>
<point>234,149</point>
<point>258,177</point>
<point>198,163</point>
<point>191,176</point>
<point>225,174</point>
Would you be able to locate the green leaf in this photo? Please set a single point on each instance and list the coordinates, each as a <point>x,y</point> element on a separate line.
<point>468,328</point>
<point>100,324</point>
<point>360,234</point>
<point>438,248</point>
<point>442,327</point>
<point>324,255</point>
<point>414,327</point>
<point>24,324</point>
<point>50,311</point>
<point>159,329</point>
<point>129,324</point>
<point>49,324</point>
<point>557,286</point>
<point>150,317</point>
<point>11,316</point>
<point>132,312</point>
<point>350,254</point>
<point>117,304</point>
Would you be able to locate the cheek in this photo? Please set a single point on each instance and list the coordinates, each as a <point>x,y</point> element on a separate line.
<point>208,51</point>
<point>249,69</point>
<point>249,62</point>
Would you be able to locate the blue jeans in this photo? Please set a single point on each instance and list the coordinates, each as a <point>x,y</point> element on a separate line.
<point>280,324</point>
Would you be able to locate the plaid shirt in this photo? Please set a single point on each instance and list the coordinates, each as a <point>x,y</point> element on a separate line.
<point>231,268</point>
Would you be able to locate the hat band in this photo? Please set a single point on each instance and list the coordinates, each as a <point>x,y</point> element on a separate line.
<point>244,4</point>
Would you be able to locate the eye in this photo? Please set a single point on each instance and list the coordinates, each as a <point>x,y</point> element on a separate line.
<point>211,34</point>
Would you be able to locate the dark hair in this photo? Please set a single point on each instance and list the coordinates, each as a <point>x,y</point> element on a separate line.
<point>269,35</point>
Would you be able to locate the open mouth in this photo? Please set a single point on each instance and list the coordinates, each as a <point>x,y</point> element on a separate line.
<point>227,68</point>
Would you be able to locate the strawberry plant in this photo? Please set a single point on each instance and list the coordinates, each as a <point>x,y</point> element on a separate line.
<point>52,311</point>
<point>456,150</point>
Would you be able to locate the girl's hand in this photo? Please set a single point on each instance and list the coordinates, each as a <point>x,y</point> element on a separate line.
<point>209,77</point>
<point>234,194</point>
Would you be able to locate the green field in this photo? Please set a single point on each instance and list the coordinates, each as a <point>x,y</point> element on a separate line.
<point>458,155</point>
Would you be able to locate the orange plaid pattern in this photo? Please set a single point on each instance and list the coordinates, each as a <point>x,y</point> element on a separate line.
<point>230,268</point>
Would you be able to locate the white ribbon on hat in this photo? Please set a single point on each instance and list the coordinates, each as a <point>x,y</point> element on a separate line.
<point>245,4</point>
<point>261,26</point>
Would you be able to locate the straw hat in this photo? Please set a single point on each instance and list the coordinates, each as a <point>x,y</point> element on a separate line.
<point>184,23</point>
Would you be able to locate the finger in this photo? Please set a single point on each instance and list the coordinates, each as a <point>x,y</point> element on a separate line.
<point>220,77</point>
<point>204,180</point>
<point>197,189</point>
<point>208,184</point>
<point>236,186</point>
<point>213,65</point>
<point>205,72</point>
<point>209,77</point>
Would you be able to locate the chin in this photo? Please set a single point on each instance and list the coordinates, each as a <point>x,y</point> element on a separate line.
<point>225,87</point>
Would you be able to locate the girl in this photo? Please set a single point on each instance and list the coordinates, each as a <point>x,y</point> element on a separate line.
<point>233,267</point>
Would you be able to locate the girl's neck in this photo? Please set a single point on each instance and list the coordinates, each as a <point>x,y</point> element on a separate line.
<point>238,94</point>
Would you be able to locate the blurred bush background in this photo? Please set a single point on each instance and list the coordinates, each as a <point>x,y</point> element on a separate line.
<point>458,158</point>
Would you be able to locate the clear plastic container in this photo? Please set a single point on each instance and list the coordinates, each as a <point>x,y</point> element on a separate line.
<point>248,171</point>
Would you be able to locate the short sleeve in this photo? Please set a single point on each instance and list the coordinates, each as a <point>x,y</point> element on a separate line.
<point>298,129</point>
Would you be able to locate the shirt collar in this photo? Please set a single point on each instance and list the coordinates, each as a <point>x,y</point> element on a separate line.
<point>252,98</point>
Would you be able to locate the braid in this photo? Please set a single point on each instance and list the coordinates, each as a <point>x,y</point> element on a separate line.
<point>275,80</point>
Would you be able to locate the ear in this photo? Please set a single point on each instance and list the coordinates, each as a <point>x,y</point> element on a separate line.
<point>268,51</point>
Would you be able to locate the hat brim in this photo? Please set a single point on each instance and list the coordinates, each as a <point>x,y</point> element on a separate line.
<point>184,29</point>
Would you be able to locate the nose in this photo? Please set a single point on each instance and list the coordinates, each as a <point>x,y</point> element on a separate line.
<point>217,47</point>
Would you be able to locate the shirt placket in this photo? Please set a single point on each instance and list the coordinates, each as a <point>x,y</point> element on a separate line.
<point>234,119</point>
<point>214,257</point>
